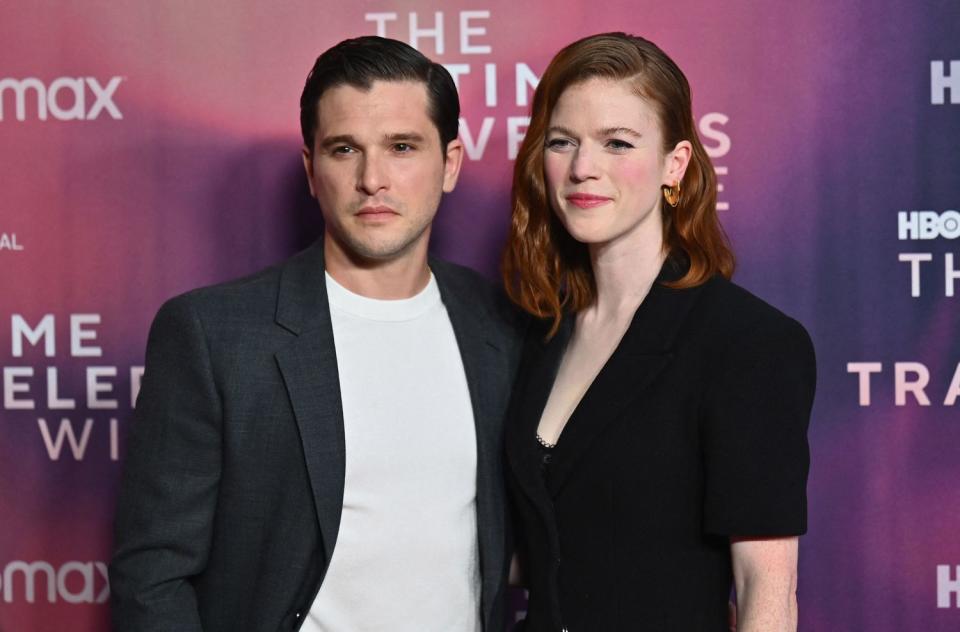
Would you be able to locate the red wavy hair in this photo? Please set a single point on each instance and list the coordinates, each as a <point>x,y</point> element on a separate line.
<point>545,270</point>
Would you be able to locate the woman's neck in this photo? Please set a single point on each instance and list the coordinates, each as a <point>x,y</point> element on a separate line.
<point>624,272</point>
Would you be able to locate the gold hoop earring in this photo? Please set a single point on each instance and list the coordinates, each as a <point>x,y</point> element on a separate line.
<point>672,194</point>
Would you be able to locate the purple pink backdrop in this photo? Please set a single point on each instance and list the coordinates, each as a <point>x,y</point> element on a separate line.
<point>148,148</point>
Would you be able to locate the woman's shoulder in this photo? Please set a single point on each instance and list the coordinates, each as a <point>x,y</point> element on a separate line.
<point>733,313</point>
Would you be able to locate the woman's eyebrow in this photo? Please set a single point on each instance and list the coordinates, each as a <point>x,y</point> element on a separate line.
<point>613,131</point>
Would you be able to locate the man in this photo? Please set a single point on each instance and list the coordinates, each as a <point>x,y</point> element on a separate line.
<point>318,445</point>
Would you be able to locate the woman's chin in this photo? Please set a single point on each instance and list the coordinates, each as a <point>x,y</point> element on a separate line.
<point>589,232</point>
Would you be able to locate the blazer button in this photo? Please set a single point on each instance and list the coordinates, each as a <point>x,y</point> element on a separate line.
<point>297,614</point>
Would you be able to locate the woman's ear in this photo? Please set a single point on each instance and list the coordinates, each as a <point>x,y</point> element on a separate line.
<point>675,163</point>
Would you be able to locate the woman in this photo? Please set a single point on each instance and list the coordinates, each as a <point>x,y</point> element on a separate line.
<point>657,434</point>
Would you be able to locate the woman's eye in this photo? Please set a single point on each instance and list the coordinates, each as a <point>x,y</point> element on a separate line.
<point>618,144</point>
<point>558,143</point>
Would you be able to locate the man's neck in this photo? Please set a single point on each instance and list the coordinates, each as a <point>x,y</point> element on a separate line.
<point>396,278</point>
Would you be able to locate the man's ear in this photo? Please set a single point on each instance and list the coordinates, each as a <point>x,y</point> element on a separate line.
<point>453,160</point>
<point>675,164</point>
<point>308,168</point>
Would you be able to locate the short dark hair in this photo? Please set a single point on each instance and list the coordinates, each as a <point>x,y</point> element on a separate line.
<point>360,61</point>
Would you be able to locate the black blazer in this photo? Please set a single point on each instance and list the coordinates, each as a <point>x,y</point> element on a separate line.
<point>694,430</point>
<point>233,484</point>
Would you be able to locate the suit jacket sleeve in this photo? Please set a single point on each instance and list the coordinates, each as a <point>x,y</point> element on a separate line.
<point>168,493</point>
<point>757,411</point>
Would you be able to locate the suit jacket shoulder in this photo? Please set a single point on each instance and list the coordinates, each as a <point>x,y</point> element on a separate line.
<point>250,297</point>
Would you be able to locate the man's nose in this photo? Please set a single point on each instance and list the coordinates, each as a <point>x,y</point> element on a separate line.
<point>373,176</point>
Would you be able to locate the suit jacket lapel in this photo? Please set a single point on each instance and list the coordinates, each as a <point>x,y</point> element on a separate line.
<point>645,350</point>
<point>309,368</point>
<point>481,349</point>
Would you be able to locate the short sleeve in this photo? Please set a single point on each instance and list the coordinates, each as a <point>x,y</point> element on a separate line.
<point>754,432</point>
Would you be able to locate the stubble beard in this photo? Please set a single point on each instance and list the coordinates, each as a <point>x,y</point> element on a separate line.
<point>363,245</point>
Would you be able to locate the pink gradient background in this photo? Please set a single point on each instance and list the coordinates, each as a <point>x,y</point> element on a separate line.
<point>832,134</point>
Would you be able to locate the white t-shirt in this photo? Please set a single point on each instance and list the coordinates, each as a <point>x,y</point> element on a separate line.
<point>406,556</point>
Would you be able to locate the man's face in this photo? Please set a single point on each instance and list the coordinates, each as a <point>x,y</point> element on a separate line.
<point>377,169</point>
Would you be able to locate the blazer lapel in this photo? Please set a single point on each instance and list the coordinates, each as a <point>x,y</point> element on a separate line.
<point>309,368</point>
<point>481,349</point>
<point>645,350</point>
<point>541,359</point>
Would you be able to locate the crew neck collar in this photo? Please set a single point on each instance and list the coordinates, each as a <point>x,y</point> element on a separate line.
<point>344,300</point>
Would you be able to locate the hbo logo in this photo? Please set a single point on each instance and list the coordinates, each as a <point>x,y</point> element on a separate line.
<point>928,225</point>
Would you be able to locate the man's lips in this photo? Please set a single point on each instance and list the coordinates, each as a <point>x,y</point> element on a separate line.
<point>587,200</point>
<point>375,212</point>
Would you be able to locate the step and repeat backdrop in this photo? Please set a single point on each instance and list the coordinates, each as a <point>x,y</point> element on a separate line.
<point>147,148</point>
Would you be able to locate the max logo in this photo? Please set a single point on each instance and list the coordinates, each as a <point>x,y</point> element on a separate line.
<point>73,582</point>
<point>65,99</point>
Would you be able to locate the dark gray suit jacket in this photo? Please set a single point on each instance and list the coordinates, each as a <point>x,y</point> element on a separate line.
<point>233,485</point>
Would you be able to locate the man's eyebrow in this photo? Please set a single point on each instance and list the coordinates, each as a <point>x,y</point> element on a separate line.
<point>400,137</point>
<point>349,139</point>
<point>340,139</point>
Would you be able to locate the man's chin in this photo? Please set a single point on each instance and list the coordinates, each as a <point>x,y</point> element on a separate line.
<point>377,252</point>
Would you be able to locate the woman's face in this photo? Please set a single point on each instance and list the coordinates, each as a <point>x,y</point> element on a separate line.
<point>604,164</point>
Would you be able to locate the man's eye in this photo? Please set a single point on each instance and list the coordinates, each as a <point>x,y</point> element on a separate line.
<point>403,148</point>
<point>343,149</point>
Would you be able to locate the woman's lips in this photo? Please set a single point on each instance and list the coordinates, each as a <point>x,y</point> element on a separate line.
<point>587,200</point>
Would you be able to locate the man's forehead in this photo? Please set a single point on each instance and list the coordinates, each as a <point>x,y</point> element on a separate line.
<point>380,85</point>
<point>384,103</point>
